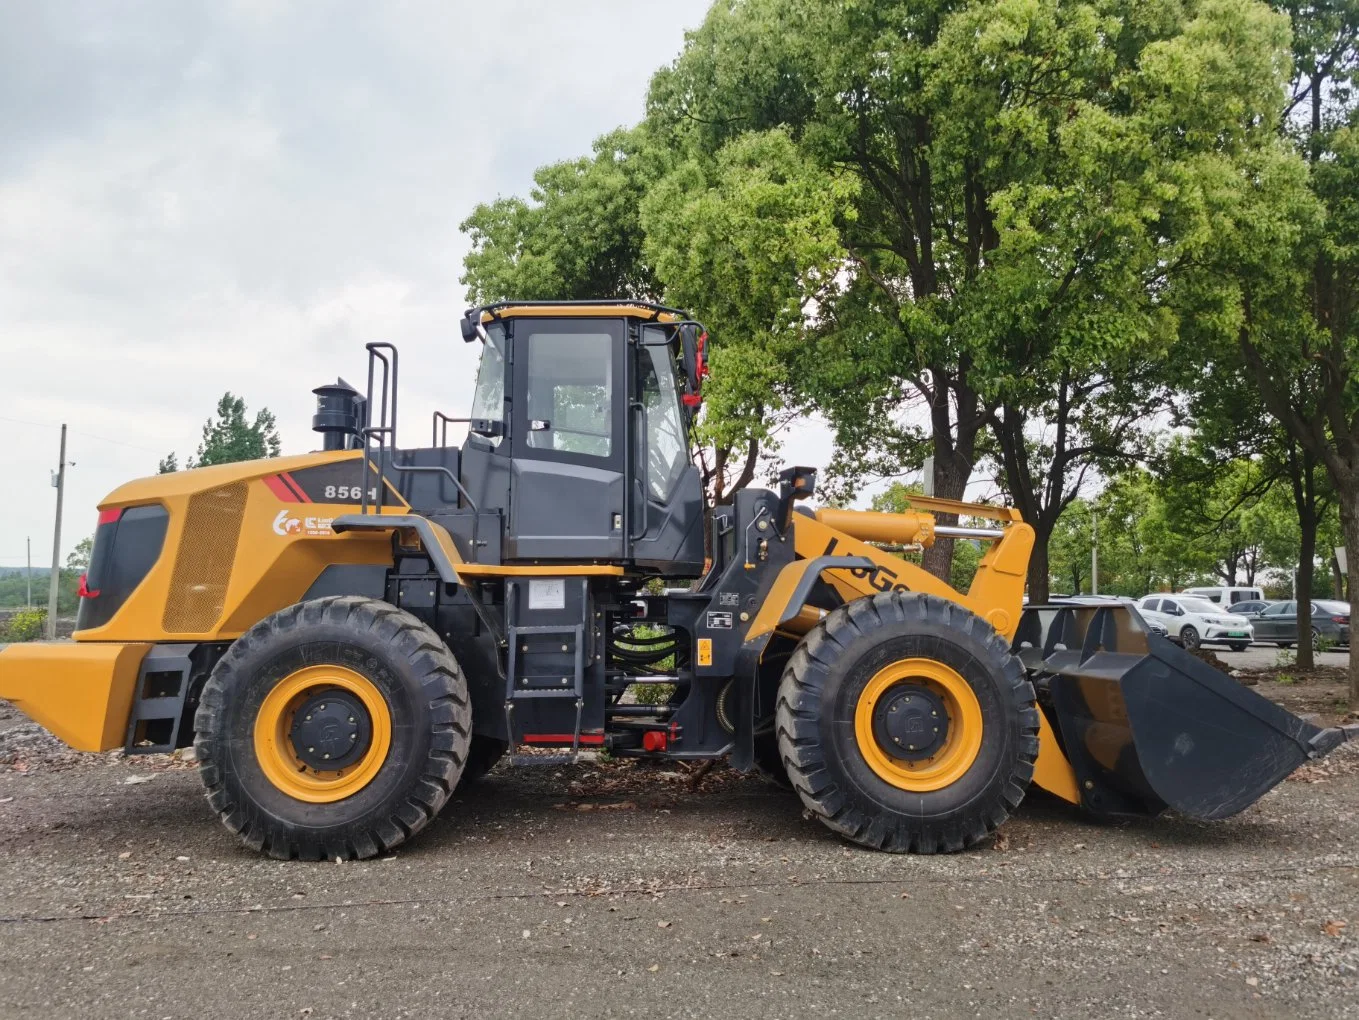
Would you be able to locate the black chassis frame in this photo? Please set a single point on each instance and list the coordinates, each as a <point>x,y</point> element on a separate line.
<point>556,675</point>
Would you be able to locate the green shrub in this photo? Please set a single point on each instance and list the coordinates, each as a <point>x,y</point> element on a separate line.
<point>653,694</point>
<point>26,625</point>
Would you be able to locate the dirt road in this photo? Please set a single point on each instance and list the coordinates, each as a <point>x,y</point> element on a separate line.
<point>610,892</point>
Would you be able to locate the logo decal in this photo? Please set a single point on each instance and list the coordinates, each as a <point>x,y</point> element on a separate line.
<point>286,524</point>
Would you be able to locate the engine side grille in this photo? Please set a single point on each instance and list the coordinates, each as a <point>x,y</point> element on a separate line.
<point>207,549</point>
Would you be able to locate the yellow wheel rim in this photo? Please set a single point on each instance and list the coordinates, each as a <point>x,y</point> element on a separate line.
<point>278,757</point>
<point>944,687</point>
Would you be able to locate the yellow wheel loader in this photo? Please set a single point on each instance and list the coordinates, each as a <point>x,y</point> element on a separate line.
<point>345,636</point>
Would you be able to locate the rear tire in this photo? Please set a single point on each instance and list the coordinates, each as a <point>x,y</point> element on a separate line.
<point>1240,646</point>
<point>1189,638</point>
<point>403,681</point>
<point>846,775</point>
<point>1285,644</point>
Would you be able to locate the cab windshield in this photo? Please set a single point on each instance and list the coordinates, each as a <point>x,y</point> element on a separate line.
<point>667,449</point>
<point>488,402</point>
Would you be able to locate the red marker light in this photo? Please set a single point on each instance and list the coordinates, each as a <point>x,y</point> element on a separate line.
<point>110,515</point>
<point>84,590</point>
<point>654,740</point>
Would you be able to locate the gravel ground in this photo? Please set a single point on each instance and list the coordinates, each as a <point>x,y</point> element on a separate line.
<point>615,890</point>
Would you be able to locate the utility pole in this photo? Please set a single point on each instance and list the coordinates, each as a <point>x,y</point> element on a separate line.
<point>59,480</point>
<point>29,543</point>
<point>1094,553</point>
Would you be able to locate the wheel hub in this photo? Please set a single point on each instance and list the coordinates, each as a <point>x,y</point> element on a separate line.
<point>910,722</point>
<point>331,730</point>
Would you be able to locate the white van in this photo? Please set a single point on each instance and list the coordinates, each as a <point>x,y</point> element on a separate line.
<point>1226,597</point>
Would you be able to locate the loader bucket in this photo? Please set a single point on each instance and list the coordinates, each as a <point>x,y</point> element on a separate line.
<point>1146,726</point>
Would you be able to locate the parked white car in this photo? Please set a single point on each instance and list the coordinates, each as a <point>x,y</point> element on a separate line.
<point>1193,621</point>
<point>1226,597</point>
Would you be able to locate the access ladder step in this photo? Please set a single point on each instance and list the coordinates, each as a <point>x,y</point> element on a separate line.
<point>544,759</point>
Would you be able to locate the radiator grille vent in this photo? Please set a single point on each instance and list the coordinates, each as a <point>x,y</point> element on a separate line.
<point>207,549</point>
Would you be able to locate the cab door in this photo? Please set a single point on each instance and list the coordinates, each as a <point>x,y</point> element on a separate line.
<point>568,475</point>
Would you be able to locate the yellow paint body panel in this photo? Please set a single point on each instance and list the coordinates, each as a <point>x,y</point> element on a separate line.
<point>996,594</point>
<point>1052,771</point>
<point>235,576</point>
<point>875,526</point>
<point>81,692</point>
<point>576,312</point>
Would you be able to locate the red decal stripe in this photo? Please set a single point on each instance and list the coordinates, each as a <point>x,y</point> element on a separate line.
<point>280,490</point>
<point>111,515</point>
<point>563,738</point>
<point>291,482</point>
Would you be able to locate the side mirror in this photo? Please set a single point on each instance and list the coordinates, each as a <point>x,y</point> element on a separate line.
<point>794,483</point>
<point>472,329</point>
<point>694,357</point>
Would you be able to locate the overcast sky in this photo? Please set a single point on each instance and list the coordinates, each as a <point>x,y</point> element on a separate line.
<point>197,197</point>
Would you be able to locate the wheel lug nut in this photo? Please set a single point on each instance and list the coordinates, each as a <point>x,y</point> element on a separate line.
<point>308,719</point>
<point>325,756</point>
<point>312,750</point>
<point>351,718</point>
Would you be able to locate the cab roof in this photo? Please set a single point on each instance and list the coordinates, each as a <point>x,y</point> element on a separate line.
<point>600,308</point>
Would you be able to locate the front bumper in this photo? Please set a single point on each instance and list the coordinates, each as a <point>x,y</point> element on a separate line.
<point>1217,632</point>
<point>82,692</point>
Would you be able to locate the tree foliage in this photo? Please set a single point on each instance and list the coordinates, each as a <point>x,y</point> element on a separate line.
<point>231,436</point>
<point>1028,174</point>
<point>1015,237</point>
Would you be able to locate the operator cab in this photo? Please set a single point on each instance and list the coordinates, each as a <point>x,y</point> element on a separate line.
<point>580,433</point>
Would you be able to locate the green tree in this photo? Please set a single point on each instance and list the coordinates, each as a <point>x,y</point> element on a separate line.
<point>1069,548</point>
<point>1026,185</point>
<point>1276,294</point>
<point>577,236</point>
<point>168,464</point>
<point>231,436</point>
<point>79,557</point>
<point>747,240</point>
<point>580,235</point>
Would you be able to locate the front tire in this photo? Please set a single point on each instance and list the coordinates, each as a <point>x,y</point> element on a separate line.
<point>1189,638</point>
<point>1240,646</point>
<point>334,728</point>
<point>905,724</point>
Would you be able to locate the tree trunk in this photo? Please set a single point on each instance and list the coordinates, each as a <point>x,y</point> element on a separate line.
<point>1306,568</point>
<point>1337,579</point>
<point>951,473</point>
<point>1349,518</point>
<point>1039,587</point>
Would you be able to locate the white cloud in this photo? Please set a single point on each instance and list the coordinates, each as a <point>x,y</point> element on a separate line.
<point>197,197</point>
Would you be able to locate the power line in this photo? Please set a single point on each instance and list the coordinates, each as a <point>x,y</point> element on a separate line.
<point>77,432</point>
